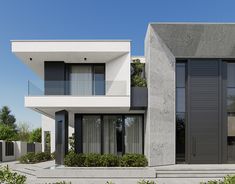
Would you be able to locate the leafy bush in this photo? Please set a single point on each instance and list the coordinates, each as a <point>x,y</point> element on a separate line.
<point>32,158</point>
<point>137,78</point>
<point>36,135</point>
<point>146,182</point>
<point>7,133</point>
<point>74,160</point>
<point>92,160</point>
<point>106,160</point>
<point>9,177</point>
<point>133,160</point>
<point>227,180</point>
<point>109,160</point>
<point>53,155</point>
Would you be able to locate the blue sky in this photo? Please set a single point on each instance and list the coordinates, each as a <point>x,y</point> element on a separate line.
<point>86,19</point>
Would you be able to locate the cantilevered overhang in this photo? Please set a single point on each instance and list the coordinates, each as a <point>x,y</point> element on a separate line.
<point>34,52</point>
<point>48,105</point>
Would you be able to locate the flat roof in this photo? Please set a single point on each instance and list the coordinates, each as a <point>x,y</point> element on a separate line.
<point>57,40</point>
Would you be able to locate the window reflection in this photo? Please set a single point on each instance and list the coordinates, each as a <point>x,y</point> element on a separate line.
<point>180,112</point>
<point>231,111</point>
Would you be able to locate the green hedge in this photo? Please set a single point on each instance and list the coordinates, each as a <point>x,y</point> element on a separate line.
<point>32,158</point>
<point>227,180</point>
<point>106,160</point>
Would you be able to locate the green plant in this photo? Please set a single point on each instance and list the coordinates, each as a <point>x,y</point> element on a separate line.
<point>7,118</point>
<point>137,78</point>
<point>23,132</point>
<point>7,133</point>
<point>53,155</point>
<point>92,160</point>
<point>109,160</point>
<point>146,182</point>
<point>74,160</point>
<point>32,158</point>
<point>133,160</point>
<point>36,135</point>
<point>60,182</point>
<point>9,177</point>
<point>227,180</point>
<point>72,142</point>
<point>109,182</point>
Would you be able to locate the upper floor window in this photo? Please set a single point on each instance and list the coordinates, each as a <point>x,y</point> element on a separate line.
<point>87,80</point>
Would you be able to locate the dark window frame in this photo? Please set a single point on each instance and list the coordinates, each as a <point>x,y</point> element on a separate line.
<point>102,129</point>
<point>69,69</point>
<point>181,61</point>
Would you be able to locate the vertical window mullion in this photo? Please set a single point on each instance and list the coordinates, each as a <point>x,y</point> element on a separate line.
<point>102,134</point>
<point>123,135</point>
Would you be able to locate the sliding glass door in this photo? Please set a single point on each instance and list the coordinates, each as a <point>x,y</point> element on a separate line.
<point>91,128</point>
<point>87,80</point>
<point>133,134</point>
<point>111,134</point>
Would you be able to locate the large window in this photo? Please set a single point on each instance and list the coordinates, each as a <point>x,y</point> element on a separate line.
<point>86,80</point>
<point>115,134</point>
<point>231,110</point>
<point>133,134</point>
<point>91,134</point>
<point>180,112</point>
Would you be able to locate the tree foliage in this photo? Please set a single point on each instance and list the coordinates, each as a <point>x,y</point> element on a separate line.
<point>23,133</point>
<point>7,133</point>
<point>36,135</point>
<point>6,117</point>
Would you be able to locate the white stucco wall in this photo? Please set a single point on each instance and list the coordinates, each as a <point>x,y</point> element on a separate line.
<point>48,124</point>
<point>20,149</point>
<point>118,76</point>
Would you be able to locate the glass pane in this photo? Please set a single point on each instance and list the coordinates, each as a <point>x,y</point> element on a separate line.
<point>99,80</point>
<point>231,74</point>
<point>231,137</point>
<point>133,134</point>
<point>91,127</point>
<point>113,134</point>
<point>180,137</point>
<point>180,75</point>
<point>180,99</point>
<point>231,99</point>
<point>81,80</point>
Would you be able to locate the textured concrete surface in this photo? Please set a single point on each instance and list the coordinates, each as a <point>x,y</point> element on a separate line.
<point>160,124</point>
<point>188,40</point>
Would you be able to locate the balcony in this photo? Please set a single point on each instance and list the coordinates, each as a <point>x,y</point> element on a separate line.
<point>78,88</point>
<point>78,96</point>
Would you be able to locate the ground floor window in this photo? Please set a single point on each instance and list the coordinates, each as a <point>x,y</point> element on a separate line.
<point>114,134</point>
<point>91,134</point>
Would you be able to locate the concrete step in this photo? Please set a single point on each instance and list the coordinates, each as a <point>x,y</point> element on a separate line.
<point>194,171</point>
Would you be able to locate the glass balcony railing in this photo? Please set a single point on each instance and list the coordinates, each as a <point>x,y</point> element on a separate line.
<point>78,88</point>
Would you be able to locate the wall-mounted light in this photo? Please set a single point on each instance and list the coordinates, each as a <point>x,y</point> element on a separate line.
<point>30,59</point>
<point>85,59</point>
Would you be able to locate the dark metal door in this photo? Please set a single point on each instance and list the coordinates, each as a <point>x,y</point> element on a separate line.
<point>203,111</point>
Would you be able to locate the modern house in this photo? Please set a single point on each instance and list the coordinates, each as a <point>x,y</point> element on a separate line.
<point>186,114</point>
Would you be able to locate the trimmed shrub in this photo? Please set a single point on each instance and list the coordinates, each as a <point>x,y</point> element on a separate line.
<point>109,160</point>
<point>32,158</point>
<point>92,160</point>
<point>146,182</point>
<point>133,160</point>
<point>74,160</point>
